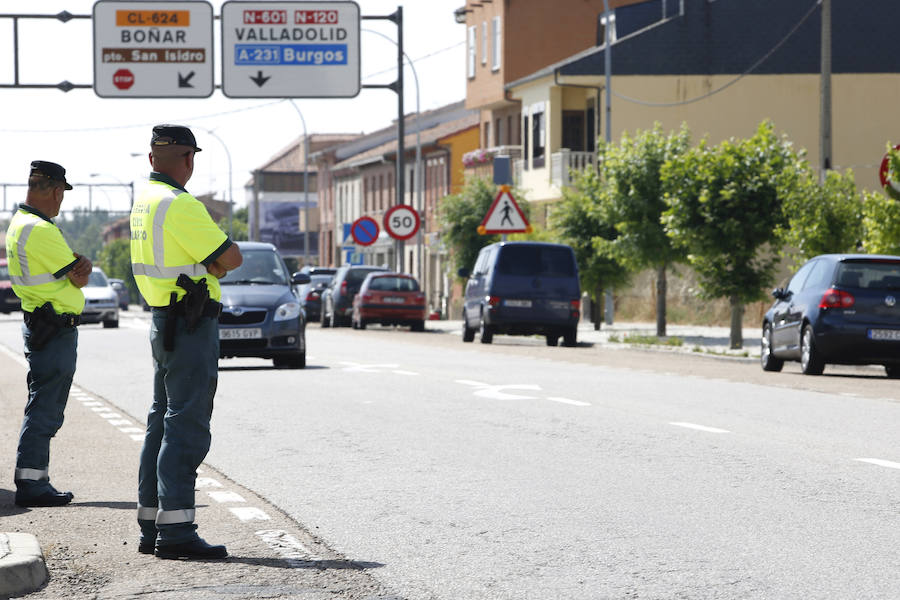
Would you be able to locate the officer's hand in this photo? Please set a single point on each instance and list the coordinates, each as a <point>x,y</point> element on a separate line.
<point>83,266</point>
<point>216,271</point>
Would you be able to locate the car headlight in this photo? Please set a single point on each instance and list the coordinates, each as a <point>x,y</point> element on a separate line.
<point>287,311</point>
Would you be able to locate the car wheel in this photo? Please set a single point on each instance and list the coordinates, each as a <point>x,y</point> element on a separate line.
<point>811,362</point>
<point>293,361</point>
<point>570,337</point>
<point>325,322</point>
<point>418,326</point>
<point>892,371</point>
<point>766,358</point>
<point>110,324</point>
<point>486,333</point>
<point>362,323</point>
<point>552,340</point>
<point>468,333</point>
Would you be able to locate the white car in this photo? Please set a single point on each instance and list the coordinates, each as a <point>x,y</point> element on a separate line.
<point>101,303</point>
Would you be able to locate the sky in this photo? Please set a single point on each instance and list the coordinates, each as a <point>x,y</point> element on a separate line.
<point>106,140</point>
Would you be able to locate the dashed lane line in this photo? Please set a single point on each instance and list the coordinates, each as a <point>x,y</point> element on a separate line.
<point>879,462</point>
<point>699,427</point>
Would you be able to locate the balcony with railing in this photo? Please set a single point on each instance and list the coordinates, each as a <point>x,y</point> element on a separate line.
<point>565,161</point>
<point>480,162</point>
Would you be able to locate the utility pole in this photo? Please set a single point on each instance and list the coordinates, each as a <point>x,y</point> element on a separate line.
<point>607,61</point>
<point>825,159</point>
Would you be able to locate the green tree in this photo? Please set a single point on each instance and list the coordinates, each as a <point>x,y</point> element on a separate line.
<point>579,222</point>
<point>725,208</point>
<point>240,230</point>
<point>881,221</point>
<point>820,218</point>
<point>115,260</point>
<point>461,214</point>
<point>632,200</point>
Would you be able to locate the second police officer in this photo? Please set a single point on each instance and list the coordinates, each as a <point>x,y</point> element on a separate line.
<point>177,254</point>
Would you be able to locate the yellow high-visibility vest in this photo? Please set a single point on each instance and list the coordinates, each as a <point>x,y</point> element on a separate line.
<point>38,260</point>
<point>172,233</point>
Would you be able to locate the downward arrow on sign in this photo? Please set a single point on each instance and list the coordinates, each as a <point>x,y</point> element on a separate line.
<point>185,81</point>
<point>259,79</point>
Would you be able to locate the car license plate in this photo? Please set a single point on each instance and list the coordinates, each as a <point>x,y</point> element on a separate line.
<point>884,334</point>
<point>518,303</point>
<point>240,334</point>
<point>394,299</point>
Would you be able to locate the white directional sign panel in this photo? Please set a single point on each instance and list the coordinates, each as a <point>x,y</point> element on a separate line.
<point>153,49</point>
<point>290,49</point>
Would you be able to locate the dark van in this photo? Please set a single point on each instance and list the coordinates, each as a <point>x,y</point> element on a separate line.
<point>523,288</point>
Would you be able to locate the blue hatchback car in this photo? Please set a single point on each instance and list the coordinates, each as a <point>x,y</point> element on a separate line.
<point>261,315</point>
<point>840,309</point>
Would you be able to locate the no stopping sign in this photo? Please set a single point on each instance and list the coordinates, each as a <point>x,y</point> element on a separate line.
<point>401,222</point>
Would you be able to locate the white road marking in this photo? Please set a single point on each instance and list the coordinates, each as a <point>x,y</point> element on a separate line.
<point>118,422</point>
<point>881,463</point>
<point>226,497</point>
<point>249,513</point>
<point>568,401</point>
<point>205,482</point>
<point>14,355</point>
<point>130,429</point>
<point>110,415</point>
<point>355,367</point>
<point>495,392</point>
<point>700,427</point>
<point>138,437</point>
<point>97,406</point>
<point>286,545</point>
<point>401,372</point>
<point>91,403</point>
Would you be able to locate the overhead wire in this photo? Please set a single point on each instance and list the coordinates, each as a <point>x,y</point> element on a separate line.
<point>722,88</point>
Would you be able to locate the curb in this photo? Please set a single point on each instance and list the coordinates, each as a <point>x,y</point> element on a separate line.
<point>22,568</point>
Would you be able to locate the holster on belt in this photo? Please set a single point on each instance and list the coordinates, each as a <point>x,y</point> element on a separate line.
<point>195,305</point>
<point>42,325</point>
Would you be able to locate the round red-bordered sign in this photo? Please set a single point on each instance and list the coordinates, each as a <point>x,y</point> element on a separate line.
<point>123,79</point>
<point>401,222</point>
<point>364,231</point>
<point>891,188</point>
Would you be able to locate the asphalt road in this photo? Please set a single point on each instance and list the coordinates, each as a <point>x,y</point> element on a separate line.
<point>521,471</point>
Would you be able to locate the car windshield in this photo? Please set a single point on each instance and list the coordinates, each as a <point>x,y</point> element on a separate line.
<point>356,276</point>
<point>317,280</point>
<point>536,261</point>
<point>873,274</point>
<point>261,267</point>
<point>97,279</point>
<point>394,284</point>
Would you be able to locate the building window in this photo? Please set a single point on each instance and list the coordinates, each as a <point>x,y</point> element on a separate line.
<point>524,133</point>
<point>495,57</point>
<point>471,44</point>
<point>538,134</point>
<point>509,130</point>
<point>484,42</point>
<point>573,131</point>
<point>486,133</point>
<point>498,139</point>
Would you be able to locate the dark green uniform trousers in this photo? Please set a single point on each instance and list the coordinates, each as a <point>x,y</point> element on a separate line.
<point>178,435</point>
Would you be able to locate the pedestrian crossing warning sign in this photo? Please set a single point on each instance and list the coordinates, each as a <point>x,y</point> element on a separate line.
<point>504,215</point>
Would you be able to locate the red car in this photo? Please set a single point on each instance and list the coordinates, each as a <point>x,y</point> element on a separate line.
<point>389,299</point>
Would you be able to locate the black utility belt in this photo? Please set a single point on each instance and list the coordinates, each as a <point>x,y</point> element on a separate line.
<point>63,320</point>
<point>211,309</point>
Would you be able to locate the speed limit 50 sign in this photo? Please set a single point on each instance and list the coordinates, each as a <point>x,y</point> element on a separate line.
<point>401,222</point>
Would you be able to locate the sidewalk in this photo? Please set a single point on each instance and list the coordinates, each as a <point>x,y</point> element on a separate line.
<point>694,338</point>
<point>88,549</point>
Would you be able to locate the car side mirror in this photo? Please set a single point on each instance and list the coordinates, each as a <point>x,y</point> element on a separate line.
<point>779,294</point>
<point>299,278</point>
<point>463,273</point>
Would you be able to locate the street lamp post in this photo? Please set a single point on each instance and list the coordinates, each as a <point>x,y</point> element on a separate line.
<point>305,185</point>
<point>419,178</point>
<point>230,191</point>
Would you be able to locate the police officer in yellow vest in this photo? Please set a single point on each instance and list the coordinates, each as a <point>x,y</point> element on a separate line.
<point>47,276</point>
<point>177,255</point>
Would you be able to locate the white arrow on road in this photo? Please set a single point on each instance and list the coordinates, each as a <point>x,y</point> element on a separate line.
<point>495,392</point>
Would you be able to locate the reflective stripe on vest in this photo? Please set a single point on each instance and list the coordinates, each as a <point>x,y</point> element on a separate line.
<point>171,517</point>
<point>157,270</point>
<point>26,278</point>
<point>147,513</point>
<point>33,474</point>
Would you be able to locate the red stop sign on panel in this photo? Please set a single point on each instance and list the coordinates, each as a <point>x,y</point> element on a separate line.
<point>123,79</point>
